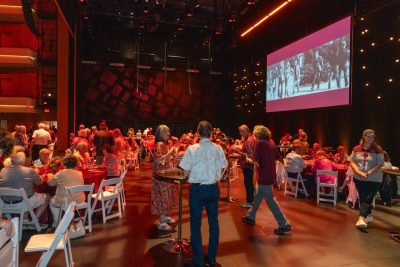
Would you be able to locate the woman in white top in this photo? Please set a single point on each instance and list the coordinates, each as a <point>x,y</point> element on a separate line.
<point>62,179</point>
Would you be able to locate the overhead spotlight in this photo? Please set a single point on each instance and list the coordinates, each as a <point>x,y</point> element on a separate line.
<point>250,2</point>
<point>189,14</point>
<point>232,18</point>
<point>145,11</point>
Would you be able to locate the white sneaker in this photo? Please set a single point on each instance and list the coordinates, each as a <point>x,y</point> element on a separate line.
<point>361,224</point>
<point>170,220</point>
<point>164,227</point>
<point>368,219</point>
<point>246,205</point>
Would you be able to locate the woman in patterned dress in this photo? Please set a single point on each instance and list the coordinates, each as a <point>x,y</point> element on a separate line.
<point>163,193</point>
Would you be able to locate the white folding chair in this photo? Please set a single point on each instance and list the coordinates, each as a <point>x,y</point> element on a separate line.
<point>48,243</point>
<point>17,208</point>
<point>331,196</point>
<point>107,198</point>
<point>82,205</point>
<point>295,185</point>
<point>9,252</point>
<point>121,190</point>
<point>134,160</point>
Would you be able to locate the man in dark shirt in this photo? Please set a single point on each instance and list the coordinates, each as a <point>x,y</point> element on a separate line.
<point>101,138</point>
<point>264,158</point>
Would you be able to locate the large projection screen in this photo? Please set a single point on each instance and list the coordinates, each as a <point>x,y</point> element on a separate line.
<point>312,72</point>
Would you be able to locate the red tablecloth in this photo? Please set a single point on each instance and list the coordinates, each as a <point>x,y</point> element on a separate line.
<point>341,168</point>
<point>94,176</point>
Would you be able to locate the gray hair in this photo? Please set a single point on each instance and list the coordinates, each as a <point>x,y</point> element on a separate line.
<point>41,125</point>
<point>159,134</point>
<point>18,158</point>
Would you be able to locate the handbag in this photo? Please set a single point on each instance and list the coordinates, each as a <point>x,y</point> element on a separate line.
<point>76,228</point>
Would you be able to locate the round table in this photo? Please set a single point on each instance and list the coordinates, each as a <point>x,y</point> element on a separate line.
<point>178,245</point>
<point>228,198</point>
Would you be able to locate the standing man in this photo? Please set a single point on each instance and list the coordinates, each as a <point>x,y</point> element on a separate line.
<point>203,163</point>
<point>40,139</point>
<point>101,138</point>
<point>248,170</point>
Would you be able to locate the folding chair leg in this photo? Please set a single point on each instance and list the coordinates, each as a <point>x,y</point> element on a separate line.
<point>119,207</point>
<point>90,221</point>
<point>103,210</point>
<point>35,221</point>
<point>297,188</point>
<point>21,221</point>
<point>66,255</point>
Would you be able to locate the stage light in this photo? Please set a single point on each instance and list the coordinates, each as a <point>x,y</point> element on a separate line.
<point>265,18</point>
<point>372,44</point>
<point>379,97</point>
<point>391,38</point>
<point>251,2</point>
<point>364,67</point>
<point>367,84</point>
<point>361,50</point>
<point>397,60</point>
<point>390,80</point>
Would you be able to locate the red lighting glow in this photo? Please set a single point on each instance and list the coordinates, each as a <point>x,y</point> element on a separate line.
<point>266,17</point>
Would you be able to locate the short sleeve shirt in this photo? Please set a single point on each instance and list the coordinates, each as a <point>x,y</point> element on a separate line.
<point>205,161</point>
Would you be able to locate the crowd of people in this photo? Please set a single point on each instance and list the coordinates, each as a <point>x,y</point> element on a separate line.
<point>203,155</point>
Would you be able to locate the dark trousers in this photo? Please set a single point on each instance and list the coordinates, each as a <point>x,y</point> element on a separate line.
<point>248,184</point>
<point>366,193</point>
<point>201,196</point>
<point>35,151</point>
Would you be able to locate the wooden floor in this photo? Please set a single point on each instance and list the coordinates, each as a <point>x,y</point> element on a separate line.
<point>322,235</point>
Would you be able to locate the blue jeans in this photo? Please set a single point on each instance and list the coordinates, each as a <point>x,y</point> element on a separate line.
<point>248,184</point>
<point>201,196</point>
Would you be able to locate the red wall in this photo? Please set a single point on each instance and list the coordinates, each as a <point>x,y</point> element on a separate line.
<point>18,85</point>
<point>17,35</point>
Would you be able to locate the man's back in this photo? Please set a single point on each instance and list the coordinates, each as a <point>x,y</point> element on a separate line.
<point>19,177</point>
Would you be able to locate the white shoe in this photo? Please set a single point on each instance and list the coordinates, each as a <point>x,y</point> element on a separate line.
<point>169,220</point>
<point>164,227</point>
<point>246,205</point>
<point>361,224</point>
<point>368,219</point>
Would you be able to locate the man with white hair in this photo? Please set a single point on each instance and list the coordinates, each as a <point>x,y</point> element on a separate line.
<point>18,176</point>
<point>40,139</point>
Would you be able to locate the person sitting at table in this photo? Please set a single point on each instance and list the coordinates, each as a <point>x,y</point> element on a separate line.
<point>314,150</point>
<point>122,148</point>
<point>18,176</point>
<point>44,158</point>
<point>82,137</point>
<point>304,146</point>
<point>294,163</point>
<point>6,146</point>
<point>82,154</point>
<point>65,178</point>
<point>163,193</point>
<point>111,162</point>
<point>322,163</point>
<point>341,156</point>
<point>7,162</point>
